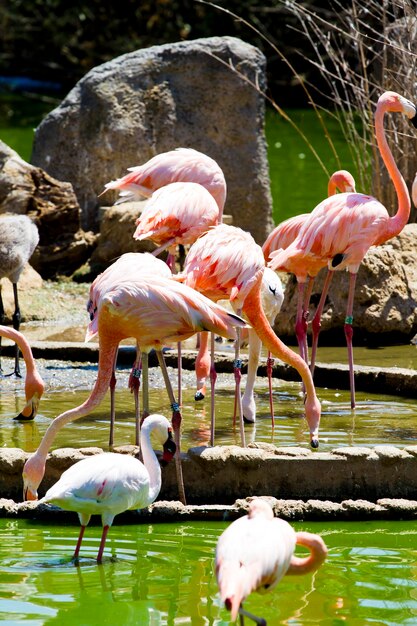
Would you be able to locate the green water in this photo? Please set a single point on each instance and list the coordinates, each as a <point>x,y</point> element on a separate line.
<point>377,419</point>
<point>298,181</point>
<point>161,574</point>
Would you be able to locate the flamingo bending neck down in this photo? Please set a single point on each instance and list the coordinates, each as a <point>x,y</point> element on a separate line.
<point>109,483</point>
<point>225,263</point>
<point>256,551</point>
<point>155,311</point>
<point>34,385</point>
<point>283,235</point>
<point>341,229</point>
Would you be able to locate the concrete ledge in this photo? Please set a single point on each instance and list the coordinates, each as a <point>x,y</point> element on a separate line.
<point>174,511</point>
<point>223,474</point>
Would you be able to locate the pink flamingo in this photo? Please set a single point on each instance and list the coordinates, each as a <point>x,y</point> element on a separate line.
<point>341,229</point>
<point>155,311</point>
<point>128,266</point>
<point>179,165</point>
<point>283,235</point>
<point>34,385</point>
<point>256,551</point>
<point>176,214</point>
<point>108,484</point>
<point>226,263</point>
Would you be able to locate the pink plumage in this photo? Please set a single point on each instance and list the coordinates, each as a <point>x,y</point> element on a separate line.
<point>177,214</point>
<point>180,165</point>
<point>256,551</point>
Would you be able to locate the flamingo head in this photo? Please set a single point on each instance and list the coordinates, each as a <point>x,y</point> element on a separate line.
<point>33,472</point>
<point>392,101</point>
<point>313,414</point>
<point>34,388</point>
<point>169,448</point>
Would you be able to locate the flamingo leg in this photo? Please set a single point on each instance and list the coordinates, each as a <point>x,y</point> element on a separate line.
<point>179,369</point>
<point>213,378</point>
<point>299,321</point>
<point>134,386</point>
<point>202,365</point>
<point>305,312</point>
<point>258,620</point>
<point>248,398</point>
<point>237,371</point>
<point>145,384</point>
<point>16,326</point>
<point>112,388</point>
<point>269,367</point>
<point>102,543</point>
<point>176,424</point>
<point>316,322</point>
<point>79,542</point>
<point>348,328</point>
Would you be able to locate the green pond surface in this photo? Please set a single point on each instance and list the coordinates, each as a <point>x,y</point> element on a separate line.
<point>157,574</point>
<point>377,419</point>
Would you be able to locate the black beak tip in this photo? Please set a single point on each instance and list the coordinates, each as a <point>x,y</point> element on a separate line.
<point>22,418</point>
<point>414,121</point>
<point>199,396</point>
<point>314,443</point>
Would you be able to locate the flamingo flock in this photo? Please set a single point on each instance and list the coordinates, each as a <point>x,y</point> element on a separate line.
<point>141,297</point>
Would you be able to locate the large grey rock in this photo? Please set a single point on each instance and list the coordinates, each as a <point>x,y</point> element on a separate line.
<point>52,204</point>
<point>385,303</point>
<point>192,94</point>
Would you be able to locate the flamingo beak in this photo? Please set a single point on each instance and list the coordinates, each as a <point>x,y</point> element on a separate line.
<point>314,442</point>
<point>29,494</point>
<point>30,410</point>
<point>170,449</point>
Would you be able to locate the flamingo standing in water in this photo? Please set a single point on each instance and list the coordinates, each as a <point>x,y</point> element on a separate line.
<point>129,265</point>
<point>283,235</point>
<point>107,484</point>
<point>226,263</point>
<point>34,385</point>
<point>18,239</point>
<point>179,165</point>
<point>341,229</point>
<point>256,551</point>
<point>155,311</point>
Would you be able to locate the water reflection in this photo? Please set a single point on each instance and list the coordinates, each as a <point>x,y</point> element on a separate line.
<point>163,575</point>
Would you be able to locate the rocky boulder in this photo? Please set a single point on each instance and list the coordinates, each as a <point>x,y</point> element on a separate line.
<point>202,94</point>
<point>53,206</point>
<point>385,297</point>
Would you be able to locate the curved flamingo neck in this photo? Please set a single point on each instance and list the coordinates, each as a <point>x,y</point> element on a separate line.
<point>318,553</point>
<point>24,347</point>
<point>151,463</point>
<point>107,354</point>
<point>253,310</point>
<point>396,223</point>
